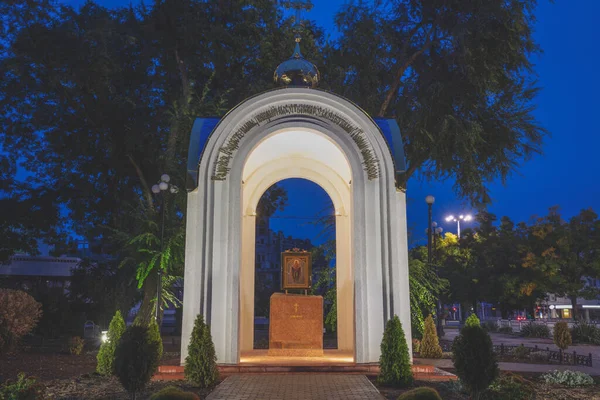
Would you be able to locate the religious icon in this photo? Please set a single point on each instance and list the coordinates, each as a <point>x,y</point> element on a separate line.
<point>295,269</point>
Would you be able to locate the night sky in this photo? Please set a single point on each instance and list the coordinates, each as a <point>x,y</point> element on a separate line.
<point>567,174</point>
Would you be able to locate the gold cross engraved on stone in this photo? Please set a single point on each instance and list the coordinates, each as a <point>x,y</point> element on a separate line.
<point>295,314</point>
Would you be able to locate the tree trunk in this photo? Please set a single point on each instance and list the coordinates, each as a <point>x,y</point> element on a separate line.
<point>574,311</point>
<point>146,311</point>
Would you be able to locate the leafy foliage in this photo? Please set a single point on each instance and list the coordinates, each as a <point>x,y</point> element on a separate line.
<point>22,389</point>
<point>533,330</point>
<point>173,393</point>
<point>562,335</point>
<point>568,378</point>
<point>19,314</point>
<point>76,344</point>
<point>472,320</point>
<point>584,332</point>
<point>430,346</point>
<point>106,354</point>
<point>421,393</point>
<point>474,359</point>
<point>425,286</point>
<point>201,361</point>
<point>509,386</point>
<point>136,359</point>
<point>394,362</point>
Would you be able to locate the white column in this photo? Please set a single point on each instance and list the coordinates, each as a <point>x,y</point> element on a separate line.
<point>344,284</point>
<point>247,283</point>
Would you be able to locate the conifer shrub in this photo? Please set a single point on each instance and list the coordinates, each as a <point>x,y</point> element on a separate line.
<point>474,360</point>
<point>106,354</point>
<point>430,345</point>
<point>421,393</point>
<point>201,361</point>
<point>136,359</point>
<point>394,362</point>
<point>562,335</point>
<point>472,320</point>
<point>154,334</point>
<point>173,393</point>
<point>76,344</point>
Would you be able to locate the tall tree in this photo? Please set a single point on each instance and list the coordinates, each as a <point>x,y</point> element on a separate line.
<point>455,74</point>
<point>569,252</point>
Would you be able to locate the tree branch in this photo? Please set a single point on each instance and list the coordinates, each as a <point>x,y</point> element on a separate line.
<point>396,83</point>
<point>145,188</point>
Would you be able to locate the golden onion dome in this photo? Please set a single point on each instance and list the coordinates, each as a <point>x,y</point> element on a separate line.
<point>297,71</point>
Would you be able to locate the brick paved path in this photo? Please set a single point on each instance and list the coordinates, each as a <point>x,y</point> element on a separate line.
<point>296,387</point>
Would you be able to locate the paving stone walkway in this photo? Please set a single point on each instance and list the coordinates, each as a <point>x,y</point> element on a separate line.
<point>296,387</point>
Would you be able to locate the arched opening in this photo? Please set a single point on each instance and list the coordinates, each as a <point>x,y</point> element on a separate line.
<point>312,157</point>
<point>294,214</point>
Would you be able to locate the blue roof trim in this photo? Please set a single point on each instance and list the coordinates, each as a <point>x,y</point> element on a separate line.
<point>391,132</point>
<point>201,131</point>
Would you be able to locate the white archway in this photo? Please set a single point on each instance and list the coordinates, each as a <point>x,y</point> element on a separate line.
<point>220,208</point>
<point>298,154</point>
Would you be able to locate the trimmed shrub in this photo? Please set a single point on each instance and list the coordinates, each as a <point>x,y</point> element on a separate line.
<point>521,352</point>
<point>421,393</point>
<point>532,330</point>
<point>490,326</point>
<point>568,378</point>
<point>136,359</point>
<point>474,360</point>
<point>106,354</point>
<point>19,314</point>
<point>416,345</point>
<point>430,345</point>
<point>22,389</point>
<point>173,393</point>
<point>76,345</point>
<point>201,361</point>
<point>472,320</point>
<point>562,335</point>
<point>154,334</point>
<point>510,386</point>
<point>583,332</point>
<point>505,329</point>
<point>394,362</point>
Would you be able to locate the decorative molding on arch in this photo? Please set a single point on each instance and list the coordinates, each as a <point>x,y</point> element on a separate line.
<point>272,113</point>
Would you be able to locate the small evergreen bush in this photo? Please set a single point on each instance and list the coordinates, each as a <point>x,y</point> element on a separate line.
<point>154,335</point>
<point>22,389</point>
<point>421,393</point>
<point>583,332</point>
<point>532,330</point>
<point>562,335</point>
<point>505,329</point>
<point>490,326</point>
<point>472,320</point>
<point>474,359</point>
<point>201,361</point>
<point>430,345</point>
<point>416,345</point>
<point>76,345</point>
<point>521,352</point>
<point>173,393</point>
<point>106,354</point>
<point>510,386</point>
<point>136,359</point>
<point>394,362</point>
<point>568,378</point>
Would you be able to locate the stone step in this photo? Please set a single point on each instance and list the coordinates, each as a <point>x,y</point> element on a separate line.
<point>420,372</point>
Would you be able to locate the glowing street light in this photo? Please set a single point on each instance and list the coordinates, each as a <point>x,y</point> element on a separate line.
<point>452,218</point>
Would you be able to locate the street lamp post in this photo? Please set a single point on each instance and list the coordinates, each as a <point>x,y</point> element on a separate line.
<point>452,218</point>
<point>430,228</point>
<point>157,189</point>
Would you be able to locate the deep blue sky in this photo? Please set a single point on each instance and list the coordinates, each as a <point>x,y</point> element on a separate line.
<point>567,174</point>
